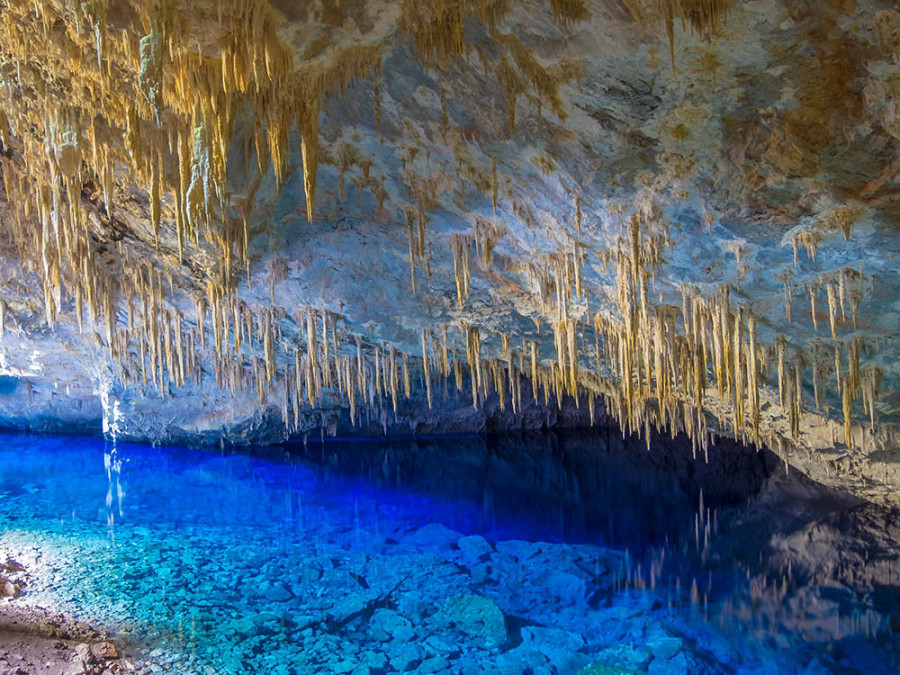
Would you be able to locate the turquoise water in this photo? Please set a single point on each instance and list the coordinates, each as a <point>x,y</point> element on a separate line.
<point>518,554</point>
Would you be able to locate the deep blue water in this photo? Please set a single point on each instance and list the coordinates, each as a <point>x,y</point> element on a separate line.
<point>534,553</point>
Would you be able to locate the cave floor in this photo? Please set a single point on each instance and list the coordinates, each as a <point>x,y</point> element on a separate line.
<point>447,556</point>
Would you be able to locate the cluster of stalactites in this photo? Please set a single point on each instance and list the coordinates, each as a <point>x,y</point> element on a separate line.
<point>704,16</point>
<point>671,366</point>
<point>100,103</point>
<point>308,361</point>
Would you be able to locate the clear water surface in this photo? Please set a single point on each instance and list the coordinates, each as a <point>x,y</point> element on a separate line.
<point>519,554</point>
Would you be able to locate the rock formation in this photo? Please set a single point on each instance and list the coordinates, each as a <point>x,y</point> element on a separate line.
<point>254,219</point>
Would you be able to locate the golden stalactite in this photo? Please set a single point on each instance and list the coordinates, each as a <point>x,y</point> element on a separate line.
<point>438,26</point>
<point>100,100</point>
<point>703,16</point>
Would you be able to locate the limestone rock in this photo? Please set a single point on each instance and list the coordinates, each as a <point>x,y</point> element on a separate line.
<point>387,624</point>
<point>477,617</point>
<point>474,547</point>
<point>104,651</point>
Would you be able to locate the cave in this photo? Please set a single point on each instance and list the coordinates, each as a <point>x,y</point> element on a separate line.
<point>449,336</point>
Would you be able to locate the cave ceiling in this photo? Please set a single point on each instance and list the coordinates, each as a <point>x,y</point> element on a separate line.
<point>681,213</point>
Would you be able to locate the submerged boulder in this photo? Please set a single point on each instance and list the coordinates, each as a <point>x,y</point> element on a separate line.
<point>477,617</point>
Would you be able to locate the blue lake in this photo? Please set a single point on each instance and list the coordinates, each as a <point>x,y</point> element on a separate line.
<point>537,553</point>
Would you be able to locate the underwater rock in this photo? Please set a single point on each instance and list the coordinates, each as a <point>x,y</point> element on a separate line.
<point>519,660</point>
<point>345,666</point>
<point>386,624</point>
<point>559,646</point>
<point>551,639</point>
<point>473,547</point>
<point>665,647</point>
<point>434,664</point>
<point>433,536</point>
<point>476,616</point>
<point>563,585</point>
<point>278,592</point>
<point>517,549</point>
<point>627,656</point>
<point>374,660</point>
<point>405,656</point>
<point>440,644</point>
<point>677,664</point>
<point>11,567</point>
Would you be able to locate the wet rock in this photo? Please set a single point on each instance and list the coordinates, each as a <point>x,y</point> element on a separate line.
<point>518,549</point>
<point>664,647</point>
<point>477,617</point>
<point>473,547</point>
<point>104,651</point>
<point>559,646</point>
<point>84,654</point>
<point>626,656</point>
<point>405,656</point>
<point>278,593</point>
<point>10,588</point>
<point>387,624</point>
<point>341,667</point>
<point>563,585</point>
<point>551,638</point>
<point>374,660</point>
<point>433,536</point>
<point>675,665</point>
<point>434,664</point>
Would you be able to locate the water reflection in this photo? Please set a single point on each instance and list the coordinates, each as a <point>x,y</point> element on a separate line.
<point>242,561</point>
<point>115,492</point>
<point>577,487</point>
<point>736,541</point>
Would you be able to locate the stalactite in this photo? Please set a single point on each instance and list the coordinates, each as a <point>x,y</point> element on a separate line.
<point>494,186</point>
<point>832,309</point>
<point>872,377</point>
<point>445,360</point>
<point>812,306</point>
<point>780,347</point>
<point>473,356</point>
<point>847,407</point>
<point>312,387</point>
<point>460,245</point>
<point>814,349</point>
<point>425,366</point>
<point>412,250</point>
<point>393,377</point>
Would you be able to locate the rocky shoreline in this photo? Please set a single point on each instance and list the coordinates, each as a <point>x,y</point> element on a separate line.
<point>33,639</point>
